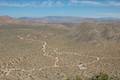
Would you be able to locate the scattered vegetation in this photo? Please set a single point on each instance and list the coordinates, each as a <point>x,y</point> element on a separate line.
<point>27,54</point>
<point>76,78</point>
<point>100,76</point>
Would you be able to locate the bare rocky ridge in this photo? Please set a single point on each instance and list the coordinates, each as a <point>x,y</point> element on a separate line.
<point>96,31</point>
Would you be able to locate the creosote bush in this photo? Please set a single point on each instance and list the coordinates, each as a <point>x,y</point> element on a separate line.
<point>100,76</point>
<point>76,78</point>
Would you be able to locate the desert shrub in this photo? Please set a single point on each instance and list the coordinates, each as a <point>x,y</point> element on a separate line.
<point>115,77</point>
<point>101,76</point>
<point>76,78</point>
<point>67,79</point>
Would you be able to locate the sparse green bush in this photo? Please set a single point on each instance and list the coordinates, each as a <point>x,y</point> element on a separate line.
<point>78,78</point>
<point>101,76</point>
<point>67,79</point>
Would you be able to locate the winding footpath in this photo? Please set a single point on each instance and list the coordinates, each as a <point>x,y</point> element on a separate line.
<point>81,66</point>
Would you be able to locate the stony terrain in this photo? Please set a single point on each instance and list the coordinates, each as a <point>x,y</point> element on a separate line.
<point>54,52</point>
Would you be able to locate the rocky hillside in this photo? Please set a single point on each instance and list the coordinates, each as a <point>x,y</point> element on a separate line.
<point>87,30</point>
<point>96,31</point>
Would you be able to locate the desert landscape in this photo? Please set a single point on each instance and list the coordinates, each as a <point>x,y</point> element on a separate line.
<point>56,51</point>
<point>59,39</point>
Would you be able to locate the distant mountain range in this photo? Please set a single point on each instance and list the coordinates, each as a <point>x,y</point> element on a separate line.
<point>52,19</point>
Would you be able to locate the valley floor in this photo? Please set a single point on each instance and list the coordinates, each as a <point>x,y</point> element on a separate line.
<point>32,54</point>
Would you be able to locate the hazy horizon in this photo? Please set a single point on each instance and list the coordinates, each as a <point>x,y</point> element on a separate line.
<point>56,16</point>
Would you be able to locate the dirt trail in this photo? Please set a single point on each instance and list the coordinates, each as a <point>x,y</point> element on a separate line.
<point>44,48</point>
<point>81,66</point>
